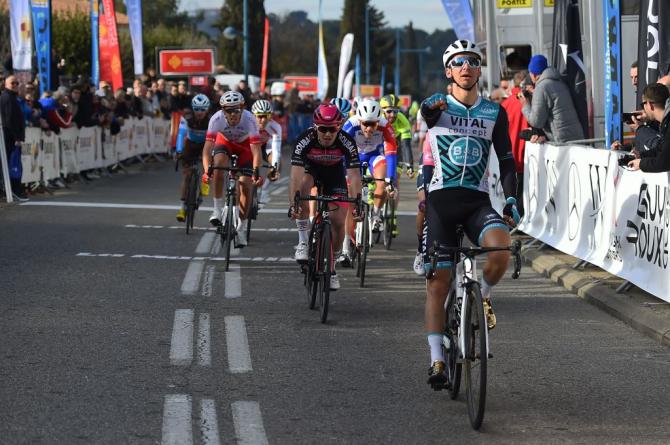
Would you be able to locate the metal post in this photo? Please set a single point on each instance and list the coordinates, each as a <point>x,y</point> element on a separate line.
<point>367,44</point>
<point>383,80</point>
<point>245,39</point>
<point>397,62</point>
<point>5,165</point>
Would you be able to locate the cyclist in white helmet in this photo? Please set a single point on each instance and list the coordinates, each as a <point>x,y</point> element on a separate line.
<point>233,130</point>
<point>271,140</point>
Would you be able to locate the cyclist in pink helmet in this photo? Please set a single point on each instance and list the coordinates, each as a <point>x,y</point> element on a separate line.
<point>325,154</point>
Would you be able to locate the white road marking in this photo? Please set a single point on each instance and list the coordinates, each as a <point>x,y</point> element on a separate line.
<point>279,191</point>
<point>177,428</point>
<point>209,229</point>
<point>233,282</point>
<point>249,428</point>
<point>196,259</point>
<point>181,346</point>
<point>204,344</point>
<point>191,282</point>
<point>208,281</point>
<point>239,359</point>
<point>209,426</point>
<point>205,244</point>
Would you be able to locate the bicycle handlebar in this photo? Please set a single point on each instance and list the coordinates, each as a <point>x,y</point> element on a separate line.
<point>470,252</point>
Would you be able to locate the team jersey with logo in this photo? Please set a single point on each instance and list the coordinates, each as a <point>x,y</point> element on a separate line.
<point>382,141</point>
<point>271,139</point>
<point>308,150</point>
<point>192,129</point>
<point>461,139</point>
<point>244,133</point>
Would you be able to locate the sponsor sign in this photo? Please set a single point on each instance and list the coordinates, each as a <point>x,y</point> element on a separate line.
<point>185,62</point>
<point>508,4</point>
<point>405,101</point>
<point>305,84</point>
<point>369,91</point>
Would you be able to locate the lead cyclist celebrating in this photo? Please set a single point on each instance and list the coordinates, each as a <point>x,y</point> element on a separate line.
<point>463,129</point>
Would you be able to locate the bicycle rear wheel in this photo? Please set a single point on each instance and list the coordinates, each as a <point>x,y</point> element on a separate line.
<point>254,211</point>
<point>365,242</point>
<point>191,200</point>
<point>475,355</point>
<point>454,365</point>
<point>324,265</point>
<point>311,277</point>
<point>389,221</point>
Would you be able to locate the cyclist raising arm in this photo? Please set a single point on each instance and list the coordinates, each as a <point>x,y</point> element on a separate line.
<point>190,140</point>
<point>233,130</point>
<point>463,130</point>
<point>319,155</point>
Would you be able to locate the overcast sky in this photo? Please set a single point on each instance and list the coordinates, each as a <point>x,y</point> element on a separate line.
<point>424,14</point>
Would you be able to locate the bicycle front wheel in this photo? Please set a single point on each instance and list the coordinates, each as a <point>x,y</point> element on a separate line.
<point>475,355</point>
<point>191,201</point>
<point>365,247</point>
<point>389,222</point>
<point>229,230</point>
<point>454,364</point>
<point>311,276</point>
<point>325,263</point>
<point>254,211</point>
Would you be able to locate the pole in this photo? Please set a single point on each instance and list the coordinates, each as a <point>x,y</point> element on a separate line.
<point>245,39</point>
<point>383,79</point>
<point>5,165</point>
<point>367,44</point>
<point>397,62</point>
<point>490,44</point>
<point>358,74</point>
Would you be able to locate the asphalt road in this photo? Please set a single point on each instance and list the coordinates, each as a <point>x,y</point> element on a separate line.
<point>111,332</point>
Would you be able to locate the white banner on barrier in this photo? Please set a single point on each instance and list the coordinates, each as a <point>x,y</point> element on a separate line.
<point>140,137</point>
<point>98,160</point>
<point>122,141</point>
<point>50,157</point>
<point>108,149</point>
<point>31,155</point>
<point>86,148</point>
<point>68,151</point>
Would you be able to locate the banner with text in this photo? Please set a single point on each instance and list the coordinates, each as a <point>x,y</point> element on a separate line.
<point>110,58</point>
<point>41,10</point>
<point>21,34</point>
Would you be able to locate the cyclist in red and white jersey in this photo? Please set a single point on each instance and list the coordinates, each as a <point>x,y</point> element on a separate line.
<point>271,135</point>
<point>233,130</point>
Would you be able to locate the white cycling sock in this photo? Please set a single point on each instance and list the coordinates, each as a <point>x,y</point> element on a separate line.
<point>303,230</point>
<point>486,289</point>
<point>346,245</point>
<point>243,225</point>
<point>435,343</point>
<point>218,204</point>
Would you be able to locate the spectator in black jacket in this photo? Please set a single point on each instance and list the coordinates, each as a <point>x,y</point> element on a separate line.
<point>656,105</point>
<point>13,125</point>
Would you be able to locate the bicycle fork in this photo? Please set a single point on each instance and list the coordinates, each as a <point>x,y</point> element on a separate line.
<point>461,291</point>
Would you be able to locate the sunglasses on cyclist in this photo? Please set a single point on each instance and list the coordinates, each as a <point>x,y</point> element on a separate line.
<point>326,129</point>
<point>459,61</point>
<point>369,124</point>
<point>232,110</point>
<point>264,115</point>
<point>391,111</point>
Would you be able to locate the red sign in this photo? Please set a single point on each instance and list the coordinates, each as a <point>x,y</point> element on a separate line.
<point>369,91</point>
<point>185,62</point>
<point>199,81</point>
<point>405,101</point>
<point>308,84</point>
<point>110,60</point>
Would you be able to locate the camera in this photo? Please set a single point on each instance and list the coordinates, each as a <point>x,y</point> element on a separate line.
<point>625,159</point>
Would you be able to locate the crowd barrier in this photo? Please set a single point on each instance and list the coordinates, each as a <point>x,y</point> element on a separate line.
<point>579,201</point>
<point>47,156</point>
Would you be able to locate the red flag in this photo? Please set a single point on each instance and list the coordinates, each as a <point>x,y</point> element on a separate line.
<point>110,58</point>
<point>266,45</point>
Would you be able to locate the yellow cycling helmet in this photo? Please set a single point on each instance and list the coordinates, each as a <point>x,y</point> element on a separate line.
<point>389,101</point>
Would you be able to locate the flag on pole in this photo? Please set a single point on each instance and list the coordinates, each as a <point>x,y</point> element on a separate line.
<point>345,58</point>
<point>134,10</point>
<point>348,84</point>
<point>21,34</point>
<point>568,57</point>
<point>95,54</point>
<point>41,10</point>
<point>612,53</point>
<point>110,59</point>
<point>322,66</point>
<point>266,49</point>
<point>460,16</point>
<point>653,50</point>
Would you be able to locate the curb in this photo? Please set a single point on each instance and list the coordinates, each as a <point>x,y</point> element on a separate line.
<point>602,296</point>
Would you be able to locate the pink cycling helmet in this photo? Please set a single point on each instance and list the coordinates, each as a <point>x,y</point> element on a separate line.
<point>327,114</point>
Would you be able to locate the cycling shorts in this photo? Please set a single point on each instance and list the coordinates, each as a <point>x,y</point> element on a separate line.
<point>192,151</point>
<point>244,159</point>
<point>333,180</point>
<point>373,158</point>
<point>450,207</point>
<point>419,180</point>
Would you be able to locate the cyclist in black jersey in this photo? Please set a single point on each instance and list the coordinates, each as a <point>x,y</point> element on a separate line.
<point>464,128</point>
<point>326,154</point>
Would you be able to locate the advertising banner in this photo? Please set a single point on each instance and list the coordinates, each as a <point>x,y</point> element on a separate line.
<point>653,53</point>
<point>461,18</point>
<point>185,62</point>
<point>68,151</point>
<point>110,58</point>
<point>31,155</point>
<point>345,58</point>
<point>613,102</point>
<point>21,34</point>
<point>41,10</point>
<point>95,54</point>
<point>134,11</point>
<point>50,157</point>
<point>322,66</point>
<point>140,137</point>
<point>86,146</point>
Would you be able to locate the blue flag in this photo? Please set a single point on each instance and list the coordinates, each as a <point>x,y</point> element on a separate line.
<point>460,16</point>
<point>134,10</point>
<point>41,11</point>
<point>612,18</point>
<point>95,50</point>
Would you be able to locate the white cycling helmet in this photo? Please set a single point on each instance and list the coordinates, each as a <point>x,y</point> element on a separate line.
<point>200,103</point>
<point>231,99</point>
<point>460,47</point>
<point>369,110</point>
<point>261,106</point>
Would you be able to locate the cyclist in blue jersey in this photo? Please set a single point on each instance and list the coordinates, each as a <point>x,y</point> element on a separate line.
<point>190,140</point>
<point>463,129</point>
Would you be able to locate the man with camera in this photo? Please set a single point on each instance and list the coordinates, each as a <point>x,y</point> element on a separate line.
<point>551,107</point>
<point>656,107</point>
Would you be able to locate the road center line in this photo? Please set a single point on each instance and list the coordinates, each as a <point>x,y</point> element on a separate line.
<point>233,282</point>
<point>209,426</point>
<point>204,344</point>
<point>208,281</point>
<point>239,359</point>
<point>248,423</point>
<point>181,346</point>
<point>177,428</point>
<point>205,244</point>
<point>191,282</point>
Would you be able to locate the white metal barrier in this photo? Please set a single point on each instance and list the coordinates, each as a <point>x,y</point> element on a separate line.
<point>578,200</point>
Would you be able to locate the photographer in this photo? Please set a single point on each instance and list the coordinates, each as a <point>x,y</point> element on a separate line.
<point>551,107</point>
<point>656,108</point>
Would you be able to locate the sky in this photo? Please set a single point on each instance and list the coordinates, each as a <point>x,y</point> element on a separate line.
<point>427,15</point>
